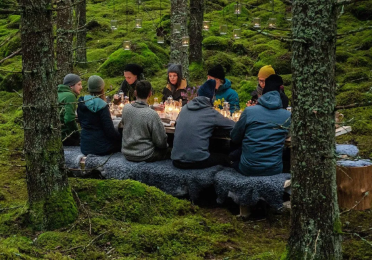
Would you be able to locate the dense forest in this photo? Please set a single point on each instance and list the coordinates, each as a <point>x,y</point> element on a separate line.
<point>129,220</point>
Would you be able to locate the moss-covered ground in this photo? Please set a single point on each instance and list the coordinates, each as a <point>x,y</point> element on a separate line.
<point>128,220</point>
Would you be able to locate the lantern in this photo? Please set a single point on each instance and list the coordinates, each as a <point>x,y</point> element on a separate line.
<point>138,23</point>
<point>236,33</point>
<point>185,40</point>
<point>272,23</point>
<point>160,39</point>
<point>288,17</point>
<point>206,25</point>
<point>223,29</point>
<point>114,24</point>
<point>256,22</point>
<point>238,9</point>
<point>176,28</point>
<point>126,45</point>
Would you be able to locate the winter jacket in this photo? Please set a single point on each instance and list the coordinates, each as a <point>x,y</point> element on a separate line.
<point>262,130</point>
<point>128,90</point>
<point>229,95</point>
<point>283,96</point>
<point>170,90</point>
<point>67,99</point>
<point>143,131</point>
<point>194,127</point>
<point>98,135</point>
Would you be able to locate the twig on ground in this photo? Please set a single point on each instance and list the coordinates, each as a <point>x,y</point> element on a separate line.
<point>94,240</point>
<point>356,204</point>
<point>86,211</point>
<point>11,55</point>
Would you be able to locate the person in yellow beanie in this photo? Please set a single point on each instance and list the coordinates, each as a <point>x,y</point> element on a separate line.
<point>263,74</point>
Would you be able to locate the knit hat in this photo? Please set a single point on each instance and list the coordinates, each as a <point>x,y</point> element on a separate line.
<point>217,72</point>
<point>266,71</point>
<point>207,89</point>
<point>176,68</point>
<point>71,79</point>
<point>134,68</point>
<point>273,83</point>
<point>95,84</point>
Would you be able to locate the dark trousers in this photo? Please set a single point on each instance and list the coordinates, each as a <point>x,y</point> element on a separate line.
<point>213,159</point>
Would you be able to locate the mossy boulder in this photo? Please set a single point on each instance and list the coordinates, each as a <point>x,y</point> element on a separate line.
<point>357,76</point>
<point>216,43</point>
<point>220,58</point>
<point>240,47</point>
<point>12,81</point>
<point>362,10</point>
<point>342,56</point>
<point>197,71</point>
<point>281,62</point>
<point>139,54</point>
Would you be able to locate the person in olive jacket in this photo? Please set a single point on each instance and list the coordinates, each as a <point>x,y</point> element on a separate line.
<point>177,86</point>
<point>67,99</point>
<point>98,135</point>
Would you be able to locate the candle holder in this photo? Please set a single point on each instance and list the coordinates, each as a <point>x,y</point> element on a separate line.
<point>238,9</point>
<point>160,39</point>
<point>176,28</point>
<point>206,25</point>
<point>256,22</point>
<point>272,23</point>
<point>114,24</point>
<point>138,23</point>
<point>127,45</point>
<point>185,41</point>
<point>236,33</point>
<point>223,29</point>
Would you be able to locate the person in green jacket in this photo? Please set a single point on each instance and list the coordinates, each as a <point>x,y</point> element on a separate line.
<point>67,99</point>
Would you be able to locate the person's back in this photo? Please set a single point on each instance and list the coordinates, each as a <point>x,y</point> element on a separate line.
<point>194,127</point>
<point>143,132</point>
<point>98,135</point>
<point>262,130</point>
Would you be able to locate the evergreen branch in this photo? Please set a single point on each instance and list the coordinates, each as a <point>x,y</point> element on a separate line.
<point>354,31</point>
<point>11,55</point>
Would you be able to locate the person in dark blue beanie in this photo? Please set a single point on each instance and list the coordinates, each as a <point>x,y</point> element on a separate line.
<point>190,145</point>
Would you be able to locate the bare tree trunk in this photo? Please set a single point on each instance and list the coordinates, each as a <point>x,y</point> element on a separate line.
<point>196,30</point>
<point>178,53</point>
<point>51,204</point>
<point>81,35</point>
<point>315,227</point>
<point>64,39</point>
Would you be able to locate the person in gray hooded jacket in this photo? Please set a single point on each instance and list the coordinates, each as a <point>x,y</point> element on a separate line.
<point>194,127</point>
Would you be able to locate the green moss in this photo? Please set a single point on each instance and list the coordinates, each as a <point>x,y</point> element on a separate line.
<point>54,212</point>
<point>337,227</point>
<point>13,45</point>
<point>12,81</point>
<point>220,58</point>
<point>197,71</point>
<point>216,43</point>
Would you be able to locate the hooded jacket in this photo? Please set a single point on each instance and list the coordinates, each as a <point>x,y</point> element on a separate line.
<point>194,127</point>
<point>229,95</point>
<point>176,93</point>
<point>98,135</point>
<point>262,130</point>
<point>67,114</point>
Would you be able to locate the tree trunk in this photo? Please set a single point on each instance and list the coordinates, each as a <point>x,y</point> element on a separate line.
<point>51,204</point>
<point>315,227</point>
<point>81,35</point>
<point>64,39</point>
<point>196,30</point>
<point>179,54</point>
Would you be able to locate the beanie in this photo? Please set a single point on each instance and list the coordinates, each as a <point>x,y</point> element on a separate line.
<point>71,79</point>
<point>207,89</point>
<point>95,84</point>
<point>273,83</point>
<point>217,72</point>
<point>134,68</point>
<point>176,68</point>
<point>266,71</point>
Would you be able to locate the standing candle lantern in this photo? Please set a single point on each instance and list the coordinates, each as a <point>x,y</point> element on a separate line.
<point>223,29</point>
<point>176,28</point>
<point>272,23</point>
<point>138,23</point>
<point>256,22</point>
<point>160,39</point>
<point>114,24</point>
<point>236,33</point>
<point>238,9</point>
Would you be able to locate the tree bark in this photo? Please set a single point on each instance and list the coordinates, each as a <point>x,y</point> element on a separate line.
<point>64,39</point>
<point>196,30</point>
<point>51,204</point>
<point>179,54</point>
<point>81,35</point>
<point>315,227</point>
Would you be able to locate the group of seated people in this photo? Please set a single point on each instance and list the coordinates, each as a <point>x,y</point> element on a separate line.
<point>257,139</point>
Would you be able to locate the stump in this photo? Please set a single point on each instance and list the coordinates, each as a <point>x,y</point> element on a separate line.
<point>354,187</point>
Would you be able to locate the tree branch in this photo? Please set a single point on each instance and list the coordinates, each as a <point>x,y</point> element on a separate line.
<point>369,103</point>
<point>346,2</point>
<point>280,38</point>
<point>11,55</point>
<point>354,31</point>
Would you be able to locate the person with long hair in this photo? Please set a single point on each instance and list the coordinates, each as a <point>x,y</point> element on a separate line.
<point>98,134</point>
<point>177,85</point>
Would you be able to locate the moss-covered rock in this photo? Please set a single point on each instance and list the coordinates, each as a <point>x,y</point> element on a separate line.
<point>216,43</point>
<point>197,71</point>
<point>362,10</point>
<point>220,58</point>
<point>139,54</point>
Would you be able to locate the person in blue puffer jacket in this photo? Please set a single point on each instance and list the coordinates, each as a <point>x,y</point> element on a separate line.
<point>98,135</point>
<point>261,131</point>
<point>223,88</point>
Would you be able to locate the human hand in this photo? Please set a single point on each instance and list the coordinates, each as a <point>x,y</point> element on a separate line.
<point>251,103</point>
